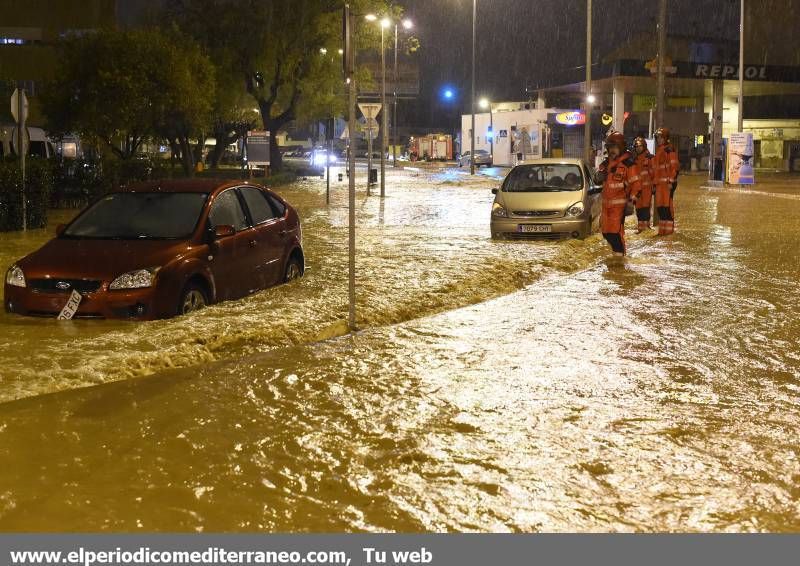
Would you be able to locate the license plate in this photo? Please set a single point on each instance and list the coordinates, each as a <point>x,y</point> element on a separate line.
<point>71,307</point>
<point>534,228</point>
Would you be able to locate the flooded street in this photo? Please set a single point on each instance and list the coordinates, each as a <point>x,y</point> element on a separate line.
<point>423,250</point>
<point>495,386</point>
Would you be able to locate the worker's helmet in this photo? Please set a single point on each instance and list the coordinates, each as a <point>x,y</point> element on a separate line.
<point>639,142</point>
<point>663,132</point>
<point>617,139</point>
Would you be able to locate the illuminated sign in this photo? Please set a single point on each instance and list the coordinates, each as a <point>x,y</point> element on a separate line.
<point>571,118</point>
<point>606,119</point>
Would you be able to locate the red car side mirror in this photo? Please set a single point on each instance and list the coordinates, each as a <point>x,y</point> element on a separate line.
<point>224,230</point>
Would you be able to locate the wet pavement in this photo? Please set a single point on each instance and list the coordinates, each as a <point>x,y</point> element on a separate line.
<point>495,386</point>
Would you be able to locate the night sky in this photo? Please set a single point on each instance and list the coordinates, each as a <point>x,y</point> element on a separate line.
<point>521,41</point>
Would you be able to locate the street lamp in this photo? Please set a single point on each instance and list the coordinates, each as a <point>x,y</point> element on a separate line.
<point>486,104</point>
<point>385,23</point>
<point>408,25</point>
<point>472,98</point>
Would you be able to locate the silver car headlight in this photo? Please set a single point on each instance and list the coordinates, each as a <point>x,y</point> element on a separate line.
<point>15,277</point>
<point>139,279</point>
<point>499,210</point>
<point>576,209</point>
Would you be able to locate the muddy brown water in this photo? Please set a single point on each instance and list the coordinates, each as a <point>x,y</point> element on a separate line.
<point>495,386</point>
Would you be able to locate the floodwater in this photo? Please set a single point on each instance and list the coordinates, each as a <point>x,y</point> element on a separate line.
<point>574,393</point>
<point>425,249</point>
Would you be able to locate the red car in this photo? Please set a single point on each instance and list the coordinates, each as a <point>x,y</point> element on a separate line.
<point>159,249</point>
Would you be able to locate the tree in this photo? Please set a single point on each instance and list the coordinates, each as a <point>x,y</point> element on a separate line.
<point>123,87</point>
<point>285,52</point>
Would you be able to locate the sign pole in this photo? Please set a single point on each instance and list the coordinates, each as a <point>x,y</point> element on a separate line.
<point>369,152</point>
<point>21,125</point>
<point>328,168</point>
<point>383,116</point>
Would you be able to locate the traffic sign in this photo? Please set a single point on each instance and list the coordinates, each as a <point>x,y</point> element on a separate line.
<point>26,140</point>
<point>15,106</point>
<point>371,125</point>
<point>369,109</point>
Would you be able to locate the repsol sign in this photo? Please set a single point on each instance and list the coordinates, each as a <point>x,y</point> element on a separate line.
<point>751,72</point>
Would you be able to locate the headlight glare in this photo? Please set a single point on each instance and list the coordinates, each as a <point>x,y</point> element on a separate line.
<point>499,210</point>
<point>15,277</point>
<point>139,279</point>
<point>576,209</point>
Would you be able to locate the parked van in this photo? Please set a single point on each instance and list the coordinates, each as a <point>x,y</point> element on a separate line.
<point>40,145</point>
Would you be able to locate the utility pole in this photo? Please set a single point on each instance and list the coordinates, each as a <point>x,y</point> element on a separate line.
<point>741,67</point>
<point>349,65</point>
<point>587,102</point>
<point>662,47</point>
<point>395,138</point>
<point>384,112</point>
<point>472,99</point>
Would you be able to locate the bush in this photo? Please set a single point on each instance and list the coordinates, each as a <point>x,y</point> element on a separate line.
<point>84,180</point>
<point>38,188</point>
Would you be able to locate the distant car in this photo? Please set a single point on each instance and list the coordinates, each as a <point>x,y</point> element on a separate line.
<point>546,198</point>
<point>159,249</point>
<point>320,157</point>
<point>482,157</point>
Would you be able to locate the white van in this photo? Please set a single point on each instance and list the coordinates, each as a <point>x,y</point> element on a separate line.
<point>40,145</point>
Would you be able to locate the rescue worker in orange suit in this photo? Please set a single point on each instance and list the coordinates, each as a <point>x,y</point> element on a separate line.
<point>644,161</point>
<point>621,185</point>
<point>665,169</point>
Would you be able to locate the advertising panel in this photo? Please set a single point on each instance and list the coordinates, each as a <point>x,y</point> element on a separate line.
<point>740,157</point>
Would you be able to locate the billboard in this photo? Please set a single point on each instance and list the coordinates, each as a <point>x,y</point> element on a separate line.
<point>740,156</point>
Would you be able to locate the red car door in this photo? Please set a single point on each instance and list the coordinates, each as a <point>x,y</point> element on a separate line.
<point>234,257</point>
<point>270,234</point>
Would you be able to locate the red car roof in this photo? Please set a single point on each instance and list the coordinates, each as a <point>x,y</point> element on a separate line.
<point>181,185</point>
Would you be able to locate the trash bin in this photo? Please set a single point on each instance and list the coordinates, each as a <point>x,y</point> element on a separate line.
<point>373,175</point>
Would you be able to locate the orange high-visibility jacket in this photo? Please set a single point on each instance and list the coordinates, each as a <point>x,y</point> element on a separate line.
<point>665,169</point>
<point>622,180</point>
<point>644,161</point>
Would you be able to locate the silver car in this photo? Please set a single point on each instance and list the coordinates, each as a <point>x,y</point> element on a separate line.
<point>482,157</point>
<point>546,199</point>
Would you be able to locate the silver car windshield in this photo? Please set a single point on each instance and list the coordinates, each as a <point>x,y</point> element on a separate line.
<point>543,178</point>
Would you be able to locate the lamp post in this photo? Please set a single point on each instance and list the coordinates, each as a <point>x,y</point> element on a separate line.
<point>349,71</point>
<point>472,98</point>
<point>484,104</point>
<point>741,66</point>
<point>385,23</point>
<point>407,25</point>
<point>589,97</point>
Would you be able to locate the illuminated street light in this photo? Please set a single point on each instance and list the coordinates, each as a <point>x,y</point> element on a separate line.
<point>370,17</point>
<point>323,51</point>
<point>484,103</point>
<point>408,24</point>
<point>385,23</point>
<point>591,99</point>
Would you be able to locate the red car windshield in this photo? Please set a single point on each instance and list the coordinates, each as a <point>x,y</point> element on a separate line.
<point>139,216</point>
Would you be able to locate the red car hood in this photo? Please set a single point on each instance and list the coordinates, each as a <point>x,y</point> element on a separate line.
<point>99,259</point>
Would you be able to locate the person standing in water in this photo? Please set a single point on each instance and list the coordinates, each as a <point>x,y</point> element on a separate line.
<point>621,185</point>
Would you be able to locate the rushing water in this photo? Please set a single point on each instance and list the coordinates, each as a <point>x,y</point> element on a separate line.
<point>658,393</point>
<point>425,249</point>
